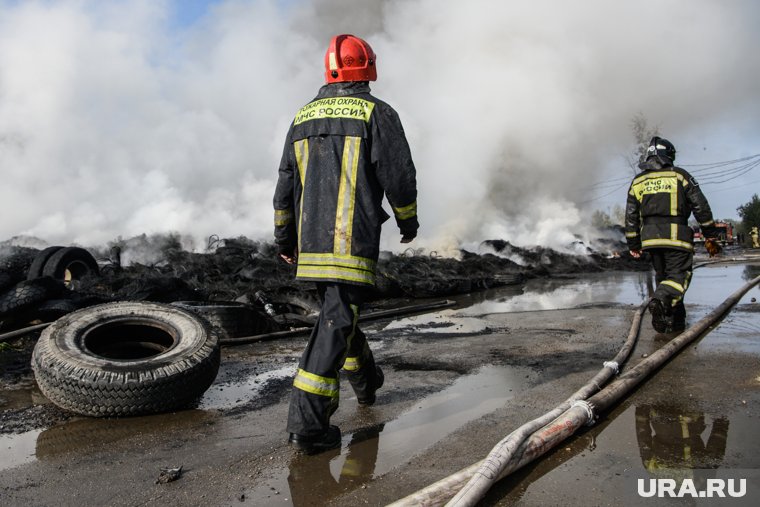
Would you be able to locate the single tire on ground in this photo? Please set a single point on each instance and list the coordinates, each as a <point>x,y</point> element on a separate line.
<point>127,358</point>
<point>70,264</point>
<point>230,318</point>
<point>27,294</point>
<point>35,270</point>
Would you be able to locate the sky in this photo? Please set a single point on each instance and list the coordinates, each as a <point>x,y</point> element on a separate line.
<point>125,117</point>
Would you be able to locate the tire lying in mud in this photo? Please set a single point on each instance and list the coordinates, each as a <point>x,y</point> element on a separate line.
<point>128,358</point>
<point>70,264</point>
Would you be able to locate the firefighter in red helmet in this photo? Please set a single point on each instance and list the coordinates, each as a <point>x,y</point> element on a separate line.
<point>344,151</point>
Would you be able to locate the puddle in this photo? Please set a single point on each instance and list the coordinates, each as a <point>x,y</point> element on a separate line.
<point>445,322</point>
<point>227,395</point>
<point>554,294</point>
<point>18,449</point>
<point>709,287</point>
<point>434,417</point>
<point>374,451</point>
<point>92,435</point>
<point>738,332</point>
<point>11,399</point>
<point>641,442</point>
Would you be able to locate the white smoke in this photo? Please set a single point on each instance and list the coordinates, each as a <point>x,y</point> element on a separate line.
<point>115,123</point>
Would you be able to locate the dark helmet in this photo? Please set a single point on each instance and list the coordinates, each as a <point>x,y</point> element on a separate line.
<point>659,147</point>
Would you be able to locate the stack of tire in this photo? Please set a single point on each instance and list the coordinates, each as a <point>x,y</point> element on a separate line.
<point>42,295</point>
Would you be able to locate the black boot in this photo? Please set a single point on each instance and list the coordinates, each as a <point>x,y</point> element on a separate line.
<point>330,439</point>
<point>662,322</point>
<point>370,398</point>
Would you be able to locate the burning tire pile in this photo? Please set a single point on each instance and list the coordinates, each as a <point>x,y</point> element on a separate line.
<point>117,348</point>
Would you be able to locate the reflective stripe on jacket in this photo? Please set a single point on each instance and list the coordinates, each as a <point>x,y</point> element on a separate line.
<point>344,151</point>
<point>660,200</point>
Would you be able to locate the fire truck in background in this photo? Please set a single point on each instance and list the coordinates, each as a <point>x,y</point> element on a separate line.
<point>725,234</point>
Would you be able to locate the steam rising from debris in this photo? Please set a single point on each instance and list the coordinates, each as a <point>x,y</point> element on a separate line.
<point>113,123</point>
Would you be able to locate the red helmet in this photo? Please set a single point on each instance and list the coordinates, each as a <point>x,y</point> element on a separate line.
<point>349,58</point>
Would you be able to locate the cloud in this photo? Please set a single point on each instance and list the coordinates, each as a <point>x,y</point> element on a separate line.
<point>114,122</point>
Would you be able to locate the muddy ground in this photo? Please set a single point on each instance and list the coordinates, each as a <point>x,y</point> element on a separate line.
<point>457,381</point>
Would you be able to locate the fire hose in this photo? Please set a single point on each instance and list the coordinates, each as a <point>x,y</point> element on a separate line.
<point>535,438</point>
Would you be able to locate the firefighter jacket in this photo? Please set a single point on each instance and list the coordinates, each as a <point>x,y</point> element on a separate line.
<point>344,151</point>
<point>660,200</point>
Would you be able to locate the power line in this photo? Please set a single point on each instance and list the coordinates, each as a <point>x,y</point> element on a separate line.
<point>734,187</point>
<point>605,195</point>
<point>724,162</point>
<point>749,168</point>
<point>706,171</point>
<point>712,173</point>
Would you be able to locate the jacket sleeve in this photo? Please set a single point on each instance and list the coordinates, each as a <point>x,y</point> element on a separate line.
<point>392,162</point>
<point>632,221</point>
<point>285,235</point>
<point>700,207</point>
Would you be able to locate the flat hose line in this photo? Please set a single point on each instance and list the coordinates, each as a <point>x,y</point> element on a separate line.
<point>469,485</point>
<point>242,340</point>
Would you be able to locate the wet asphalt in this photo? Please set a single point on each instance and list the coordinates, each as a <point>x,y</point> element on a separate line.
<point>457,381</point>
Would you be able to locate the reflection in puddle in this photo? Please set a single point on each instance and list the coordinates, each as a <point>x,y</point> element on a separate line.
<point>17,449</point>
<point>669,443</point>
<point>595,288</point>
<point>710,285</point>
<point>673,443</point>
<point>436,416</point>
<point>445,322</point>
<point>376,450</point>
<point>315,480</point>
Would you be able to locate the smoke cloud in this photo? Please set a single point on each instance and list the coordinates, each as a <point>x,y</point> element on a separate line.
<point>116,122</point>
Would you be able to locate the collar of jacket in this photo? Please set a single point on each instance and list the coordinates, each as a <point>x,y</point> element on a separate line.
<point>342,89</point>
<point>655,163</point>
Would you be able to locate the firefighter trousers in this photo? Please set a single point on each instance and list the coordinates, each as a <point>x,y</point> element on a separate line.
<point>673,271</point>
<point>336,342</point>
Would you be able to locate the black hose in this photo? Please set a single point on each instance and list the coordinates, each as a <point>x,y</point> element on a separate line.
<point>541,441</point>
<point>505,452</point>
<point>20,332</point>
<point>380,314</point>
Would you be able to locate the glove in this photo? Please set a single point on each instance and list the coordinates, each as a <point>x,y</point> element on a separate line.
<point>287,253</point>
<point>407,237</point>
<point>712,246</point>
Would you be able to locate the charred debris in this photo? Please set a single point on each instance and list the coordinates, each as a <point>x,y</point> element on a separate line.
<point>161,269</point>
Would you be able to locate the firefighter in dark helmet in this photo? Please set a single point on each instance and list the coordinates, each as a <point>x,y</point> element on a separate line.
<point>660,200</point>
<point>344,151</point>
